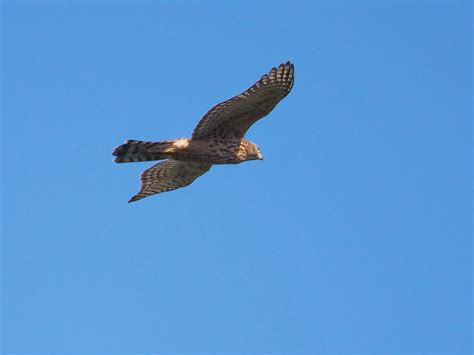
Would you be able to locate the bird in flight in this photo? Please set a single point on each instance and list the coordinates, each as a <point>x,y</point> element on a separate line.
<point>218,138</point>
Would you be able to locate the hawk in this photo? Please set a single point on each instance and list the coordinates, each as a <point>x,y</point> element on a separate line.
<point>219,137</point>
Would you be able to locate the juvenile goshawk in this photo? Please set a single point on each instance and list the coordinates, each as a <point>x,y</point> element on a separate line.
<point>219,137</point>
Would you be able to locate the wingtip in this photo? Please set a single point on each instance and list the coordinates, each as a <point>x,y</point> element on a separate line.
<point>135,198</point>
<point>288,66</point>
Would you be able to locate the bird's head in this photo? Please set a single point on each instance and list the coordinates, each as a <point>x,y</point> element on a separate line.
<point>253,151</point>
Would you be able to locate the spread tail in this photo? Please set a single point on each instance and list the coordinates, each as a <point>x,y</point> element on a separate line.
<point>133,151</point>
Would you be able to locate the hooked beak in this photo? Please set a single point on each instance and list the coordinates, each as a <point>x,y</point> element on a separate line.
<point>260,156</point>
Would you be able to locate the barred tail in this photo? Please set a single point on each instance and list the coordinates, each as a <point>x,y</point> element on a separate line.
<point>133,151</point>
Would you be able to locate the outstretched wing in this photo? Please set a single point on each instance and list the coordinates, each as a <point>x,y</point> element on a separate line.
<point>237,114</point>
<point>169,175</point>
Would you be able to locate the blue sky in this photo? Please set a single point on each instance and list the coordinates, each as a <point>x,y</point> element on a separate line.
<point>353,235</point>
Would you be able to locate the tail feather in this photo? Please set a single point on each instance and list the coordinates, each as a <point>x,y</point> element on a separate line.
<point>133,151</point>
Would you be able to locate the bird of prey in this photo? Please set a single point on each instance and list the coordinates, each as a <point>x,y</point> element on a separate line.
<point>219,137</point>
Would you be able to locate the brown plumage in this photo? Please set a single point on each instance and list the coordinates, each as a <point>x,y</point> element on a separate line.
<point>219,137</point>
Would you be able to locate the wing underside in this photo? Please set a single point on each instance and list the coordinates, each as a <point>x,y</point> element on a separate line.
<point>242,111</point>
<point>169,175</point>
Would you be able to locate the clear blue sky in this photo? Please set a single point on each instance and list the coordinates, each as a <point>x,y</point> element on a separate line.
<point>353,235</point>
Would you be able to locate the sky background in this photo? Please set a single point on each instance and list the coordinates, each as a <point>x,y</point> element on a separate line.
<point>353,235</point>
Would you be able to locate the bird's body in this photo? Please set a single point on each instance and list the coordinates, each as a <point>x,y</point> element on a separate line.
<point>219,138</point>
<point>211,150</point>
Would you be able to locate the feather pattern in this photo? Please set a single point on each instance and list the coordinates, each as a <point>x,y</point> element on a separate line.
<point>169,175</point>
<point>242,111</point>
